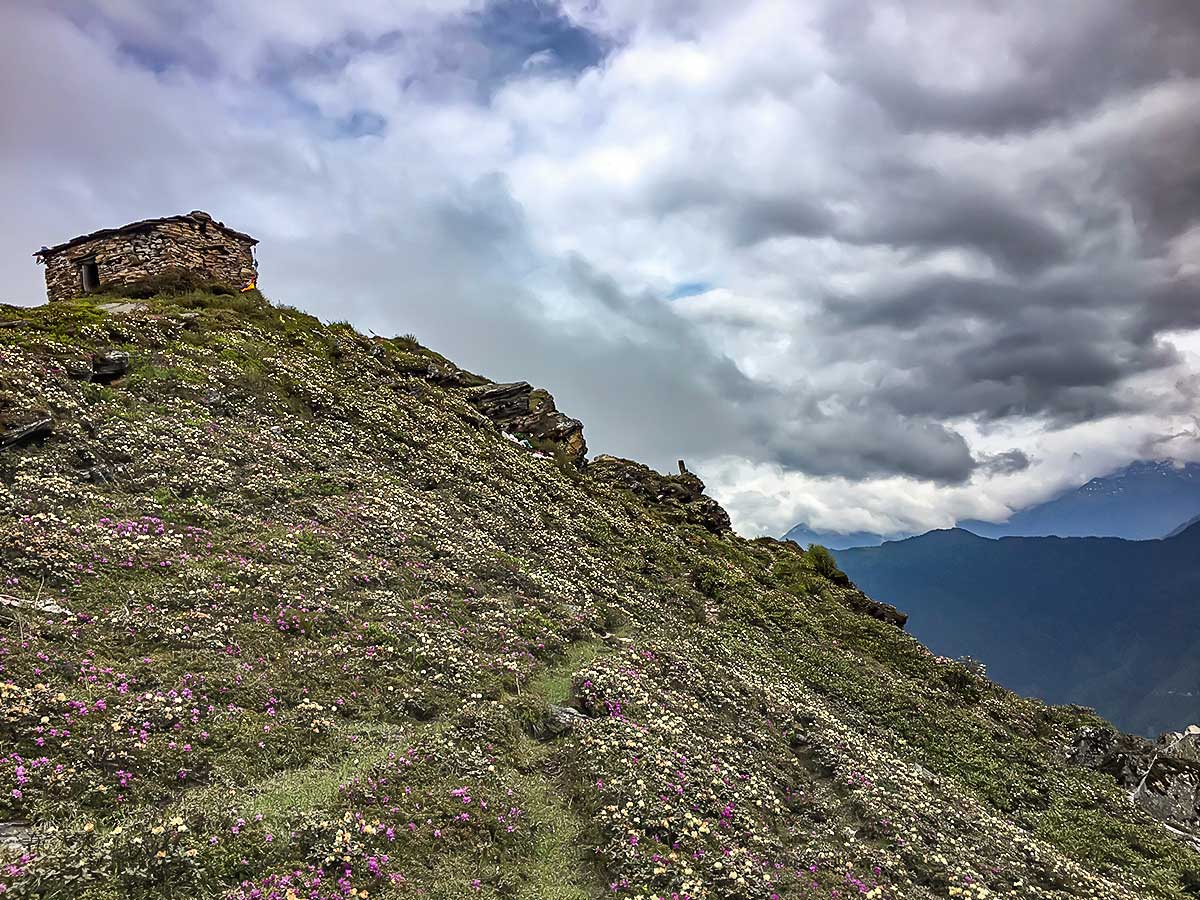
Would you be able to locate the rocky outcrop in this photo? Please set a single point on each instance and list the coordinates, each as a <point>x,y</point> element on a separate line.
<point>557,721</point>
<point>854,599</point>
<point>109,365</point>
<point>104,367</point>
<point>526,412</point>
<point>447,375</point>
<point>121,307</point>
<point>682,493</point>
<point>26,432</point>
<point>1163,777</point>
<point>1184,744</point>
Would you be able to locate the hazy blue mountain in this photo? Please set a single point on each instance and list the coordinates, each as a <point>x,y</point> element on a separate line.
<point>1103,622</point>
<point>803,535</point>
<point>1185,526</point>
<point>1141,501</point>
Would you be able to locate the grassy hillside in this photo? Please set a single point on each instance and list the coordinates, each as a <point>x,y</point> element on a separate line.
<point>284,615</point>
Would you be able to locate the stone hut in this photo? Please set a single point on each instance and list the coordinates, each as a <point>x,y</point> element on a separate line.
<point>194,242</point>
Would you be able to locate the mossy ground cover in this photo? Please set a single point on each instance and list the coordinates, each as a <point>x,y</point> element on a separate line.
<point>281,612</point>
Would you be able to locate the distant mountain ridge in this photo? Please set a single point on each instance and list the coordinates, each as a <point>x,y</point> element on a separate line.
<point>1140,501</point>
<point>805,536</point>
<point>1185,526</point>
<point>1102,622</point>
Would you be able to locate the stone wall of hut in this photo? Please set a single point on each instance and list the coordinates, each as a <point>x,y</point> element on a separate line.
<point>197,245</point>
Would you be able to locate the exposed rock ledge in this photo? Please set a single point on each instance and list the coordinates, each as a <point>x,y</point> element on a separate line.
<point>527,412</point>
<point>854,599</point>
<point>683,492</point>
<point>1163,778</point>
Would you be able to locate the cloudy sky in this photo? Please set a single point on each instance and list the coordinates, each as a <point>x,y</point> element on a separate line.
<point>868,265</point>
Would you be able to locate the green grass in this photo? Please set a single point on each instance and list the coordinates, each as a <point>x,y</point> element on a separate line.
<point>553,683</point>
<point>315,787</point>
<point>558,867</point>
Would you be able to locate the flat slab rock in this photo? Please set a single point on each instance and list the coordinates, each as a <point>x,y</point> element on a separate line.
<point>103,367</point>
<point>557,721</point>
<point>109,365</point>
<point>48,607</point>
<point>520,409</point>
<point>15,837</point>
<point>122,308</point>
<point>27,432</point>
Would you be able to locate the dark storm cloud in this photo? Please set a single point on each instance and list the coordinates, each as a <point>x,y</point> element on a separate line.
<point>1087,275</point>
<point>1046,361</point>
<point>1158,171</point>
<point>760,218</point>
<point>749,216</point>
<point>897,203</point>
<point>870,441</point>
<point>1174,306</point>
<point>916,207</point>
<point>938,297</point>
<point>1073,56</point>
<point>1058,349</point>
<point>1005,463</point>
<point>716,409</point>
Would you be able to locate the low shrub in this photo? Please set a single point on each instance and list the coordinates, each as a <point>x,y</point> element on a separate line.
<point>169,282</point>
<point>825,565</point>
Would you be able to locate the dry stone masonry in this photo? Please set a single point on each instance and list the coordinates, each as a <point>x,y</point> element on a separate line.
<point>195,243</point>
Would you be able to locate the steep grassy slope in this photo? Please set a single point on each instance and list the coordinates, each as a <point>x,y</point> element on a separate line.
<point>284,615</point>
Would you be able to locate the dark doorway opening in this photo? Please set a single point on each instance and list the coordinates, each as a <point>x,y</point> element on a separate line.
<point>89,276</point>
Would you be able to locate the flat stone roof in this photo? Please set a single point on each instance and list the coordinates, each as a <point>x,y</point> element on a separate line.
<point>196,215</point>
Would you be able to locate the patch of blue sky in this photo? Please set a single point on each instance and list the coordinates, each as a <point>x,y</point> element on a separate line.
<point>688,289</point>
<point>283,70</point>
<point>523,35</point>
<point>360,123</point>
<point>156,59</point>
<point>283,63</point>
